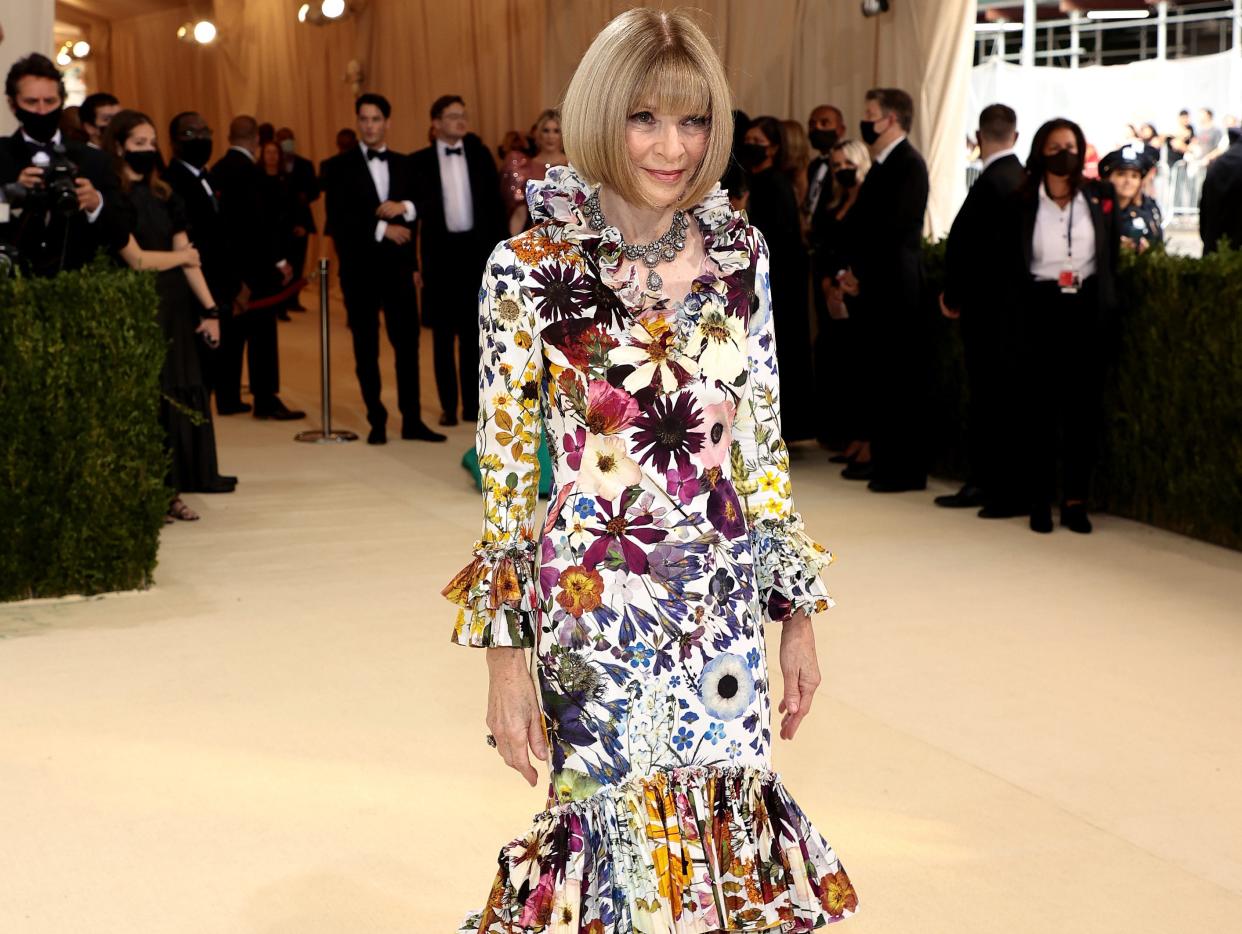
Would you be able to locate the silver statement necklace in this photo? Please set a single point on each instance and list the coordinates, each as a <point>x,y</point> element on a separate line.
<point>663,250</point>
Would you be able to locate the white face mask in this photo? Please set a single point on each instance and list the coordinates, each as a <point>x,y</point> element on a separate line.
<point>287,146</point>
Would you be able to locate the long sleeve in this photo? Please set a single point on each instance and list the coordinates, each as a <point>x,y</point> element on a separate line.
<point>787,561</point>
<point>496,592</point>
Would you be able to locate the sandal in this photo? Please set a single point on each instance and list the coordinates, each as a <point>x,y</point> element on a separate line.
<point>179,510</point>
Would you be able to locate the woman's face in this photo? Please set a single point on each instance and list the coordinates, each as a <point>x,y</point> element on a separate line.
<point>755,135</point>
<point>271,158</point>
<point>550,136</point>
<point>1127,182</point>
<point>665,150</point>
<point>1058,139</point>
<point>841,161</point>
<point>141,139</point>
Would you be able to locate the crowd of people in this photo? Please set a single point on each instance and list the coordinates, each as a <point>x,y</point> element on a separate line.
<point>1031,266</point>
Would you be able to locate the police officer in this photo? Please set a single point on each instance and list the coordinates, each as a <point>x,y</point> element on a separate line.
<point>1138,216</point>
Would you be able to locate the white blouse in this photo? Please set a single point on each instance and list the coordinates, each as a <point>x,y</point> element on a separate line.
<point>1064,238</point>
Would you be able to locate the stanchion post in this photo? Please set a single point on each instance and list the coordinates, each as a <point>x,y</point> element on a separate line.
<point>325,432</point>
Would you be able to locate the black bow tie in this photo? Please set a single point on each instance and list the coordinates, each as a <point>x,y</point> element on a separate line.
<point>381,154</point>
<point>452,151</point>
<point>33,147</point>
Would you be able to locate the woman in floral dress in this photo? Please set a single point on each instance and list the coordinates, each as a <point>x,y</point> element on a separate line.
<point>639,340</point>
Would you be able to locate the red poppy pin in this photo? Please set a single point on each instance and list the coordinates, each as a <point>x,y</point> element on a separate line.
<point>1107,206</point>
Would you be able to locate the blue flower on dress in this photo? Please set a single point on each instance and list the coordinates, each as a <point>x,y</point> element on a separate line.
<point>752,658</point>
<point>715,732</point>
<point>640,655</point>
<point>683,739</point>
<point>734,749</point>
<point>585,507</point>
<point>726,686</point>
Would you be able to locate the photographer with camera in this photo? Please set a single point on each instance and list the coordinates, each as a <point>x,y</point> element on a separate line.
<point>61,194</point>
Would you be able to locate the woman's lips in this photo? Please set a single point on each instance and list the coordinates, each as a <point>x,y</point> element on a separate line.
<point>666,175</point>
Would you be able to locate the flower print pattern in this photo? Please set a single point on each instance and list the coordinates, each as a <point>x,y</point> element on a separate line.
<point>670,540</point>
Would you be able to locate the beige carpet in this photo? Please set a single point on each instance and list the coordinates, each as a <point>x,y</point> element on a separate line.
<point>1015,734</point>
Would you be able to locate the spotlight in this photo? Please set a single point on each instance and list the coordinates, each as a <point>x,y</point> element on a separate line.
<point>302,11</point>
<point>204,31</point>
<point>874,7</point>
<point>332,9</point>
<point>81,49</point>
<point>64,59</point>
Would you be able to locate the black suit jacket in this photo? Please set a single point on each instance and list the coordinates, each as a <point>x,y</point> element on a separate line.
<point>888,255</point>
<point>304,185</point>
<point>351,200</point>
<point>979,259</point>
<point>1102,201</point>
<point>205,226</point>
<point>39,236</point>
<point>490,219</point>
<point>253,244</point>
<point>1220,208</point>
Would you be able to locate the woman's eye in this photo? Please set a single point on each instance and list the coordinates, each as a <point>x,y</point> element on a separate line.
<point>700,121</point>
<point>643,116</point>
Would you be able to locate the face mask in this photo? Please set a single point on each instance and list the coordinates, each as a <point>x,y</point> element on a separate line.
<point>867,130</point>
<point>196,151</point>
<point>751,155</point>
<point>142,161</point>
<point>287,146</point>
<point>40,127</point>
<point>1062,163</point>
<point>846,178</point>
<point>823,140</point>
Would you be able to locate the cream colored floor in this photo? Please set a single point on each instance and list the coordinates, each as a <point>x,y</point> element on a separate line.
<point>1015,733</point>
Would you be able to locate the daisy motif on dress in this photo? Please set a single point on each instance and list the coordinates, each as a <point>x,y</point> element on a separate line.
<point>657,362</point>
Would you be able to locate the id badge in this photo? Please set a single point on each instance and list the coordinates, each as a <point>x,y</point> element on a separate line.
<point>1068,281</point>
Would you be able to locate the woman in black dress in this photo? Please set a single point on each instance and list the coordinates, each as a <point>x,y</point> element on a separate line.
<point>773,208</point>
<point>155,218</point>
<point>282,204</point>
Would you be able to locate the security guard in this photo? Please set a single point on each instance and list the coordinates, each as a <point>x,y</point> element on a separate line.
<point>1139,216</point>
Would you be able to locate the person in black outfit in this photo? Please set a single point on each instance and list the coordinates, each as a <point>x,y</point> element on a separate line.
<point>773,209</point>
<point>979,289</point>
<point>95,113</point>
<point>155,221</point>
<point>282,206</point>
<point>887,273</point>
<point>369,193</point>
<point>1140,222</point>
<point>53,235</point>
<point>258,265</point>
<point>1069,242</point>
<point>1220,207</point>
<point>825,127</point>
<point>461,219</point>
<point>304,184</point>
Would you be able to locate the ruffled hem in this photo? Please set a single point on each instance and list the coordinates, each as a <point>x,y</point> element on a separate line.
<point>788,563</point>
<point>496,595</point>
<point>692,850</point>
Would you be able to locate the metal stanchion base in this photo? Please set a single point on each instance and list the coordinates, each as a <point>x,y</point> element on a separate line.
<point>320,437</point>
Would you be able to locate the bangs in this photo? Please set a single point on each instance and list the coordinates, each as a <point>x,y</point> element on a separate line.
<point>673,84</point>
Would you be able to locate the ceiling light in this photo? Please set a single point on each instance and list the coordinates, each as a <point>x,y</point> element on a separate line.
<point>1117,14</point>
<point>63,59</point>
<point>302,11</point>
<point>332,8</point>
<point>204,31</point>
<point>81,49</point>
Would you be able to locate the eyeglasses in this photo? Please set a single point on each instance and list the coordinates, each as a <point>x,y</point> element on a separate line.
<point>195,133</point>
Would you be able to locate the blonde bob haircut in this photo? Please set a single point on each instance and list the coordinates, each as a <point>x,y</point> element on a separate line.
<point>645,60</point>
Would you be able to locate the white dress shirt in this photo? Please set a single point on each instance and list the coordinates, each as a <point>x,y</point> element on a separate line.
<point>379,177</point>
<point>91,216</point>
<point>202,178</point>
<point>816,188</point>
<point>888,150</point>
<point>1064,238</point>
<point>455,185</point>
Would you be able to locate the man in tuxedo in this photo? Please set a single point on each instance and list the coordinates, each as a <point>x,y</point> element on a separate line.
<point>462,218</point>
<point>256,269</point>
<point>369,191</point>
<point>887,274</point>
<point>95,113</point>
<point>304,184</point>
<point>59,227</point>
<point>980,283</point>
<point>1220,207</point>
<point>825,128</point>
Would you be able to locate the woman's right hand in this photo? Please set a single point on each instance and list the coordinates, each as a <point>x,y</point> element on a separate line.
<point>190,258</point>
<point>513,714</point>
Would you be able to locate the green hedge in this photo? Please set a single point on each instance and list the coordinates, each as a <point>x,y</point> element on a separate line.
<point>82,464</point>
<point>1172,448</point>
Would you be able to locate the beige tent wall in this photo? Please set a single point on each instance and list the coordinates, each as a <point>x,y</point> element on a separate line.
<point>27,27</point>
<point>511,58</point>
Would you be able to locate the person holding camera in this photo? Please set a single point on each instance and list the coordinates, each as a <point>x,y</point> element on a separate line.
<point>155,221</point>
<point>64,191</point>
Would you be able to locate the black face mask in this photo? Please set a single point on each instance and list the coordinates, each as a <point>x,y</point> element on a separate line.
<point>866,129</point>
<point>142,162</point>
<point>846,178</point>
<point>40,127</point>
<point>196,151</point>
<point>751,155</point>
<point>1062,163</point>
<point>823,140</point>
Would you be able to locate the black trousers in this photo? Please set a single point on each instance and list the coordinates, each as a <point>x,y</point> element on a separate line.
<point>900,378</point>
<point>993,415</point>
<point>451,291</point>
<point>250,335</point>
<point>367,289</point>
<point>1064,369</point>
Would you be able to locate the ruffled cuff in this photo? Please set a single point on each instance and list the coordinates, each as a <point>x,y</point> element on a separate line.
<point>496,595</point>
<point>787,567</point>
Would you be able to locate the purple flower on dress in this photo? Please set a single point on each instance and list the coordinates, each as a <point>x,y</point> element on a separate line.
<point>622,533</point>
<point>574,445</point>
<point>562,293</point>
<point>548,573</point>
<point>666,430</point>
<point>724,511</point>
<point>683,484</point>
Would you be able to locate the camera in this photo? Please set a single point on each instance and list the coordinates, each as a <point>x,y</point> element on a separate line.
<point>59,172</point>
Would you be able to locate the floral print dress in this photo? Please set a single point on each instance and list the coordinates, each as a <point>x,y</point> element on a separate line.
<point>670,539</point>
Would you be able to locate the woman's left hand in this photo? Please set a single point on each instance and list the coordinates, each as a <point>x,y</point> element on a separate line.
<point>800,669</point>
<point>210,328</point>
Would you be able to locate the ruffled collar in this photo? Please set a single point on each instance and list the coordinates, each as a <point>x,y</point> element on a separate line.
<point>560,197</point>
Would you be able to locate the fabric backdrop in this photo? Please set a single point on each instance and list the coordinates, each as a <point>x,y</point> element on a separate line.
<point>511,58</point>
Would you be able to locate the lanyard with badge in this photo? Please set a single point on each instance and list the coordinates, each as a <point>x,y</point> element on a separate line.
<point>1068,279</point>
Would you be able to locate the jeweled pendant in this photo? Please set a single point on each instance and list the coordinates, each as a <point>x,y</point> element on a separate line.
<point>654,281</point>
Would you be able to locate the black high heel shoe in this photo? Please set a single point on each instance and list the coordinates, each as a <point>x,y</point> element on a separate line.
<point>1041,518</point>
<point>1075,518</point>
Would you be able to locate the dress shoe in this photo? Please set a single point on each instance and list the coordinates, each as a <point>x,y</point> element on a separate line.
<point>448,421</point>
<point>420,432</point>
<point>232,408</point>
<point>894,486</point>
<point>1075,519</point>
<point>858,470</point>
<point>278,411</point>
<point>968,497</point>
<point>1041,518</point>
<point>377,435</point>
<point>219,485</point>
<point>297,306</point>
<point>1003,511</point>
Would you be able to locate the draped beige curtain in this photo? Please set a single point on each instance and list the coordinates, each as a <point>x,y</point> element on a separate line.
<point>511,58</point>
